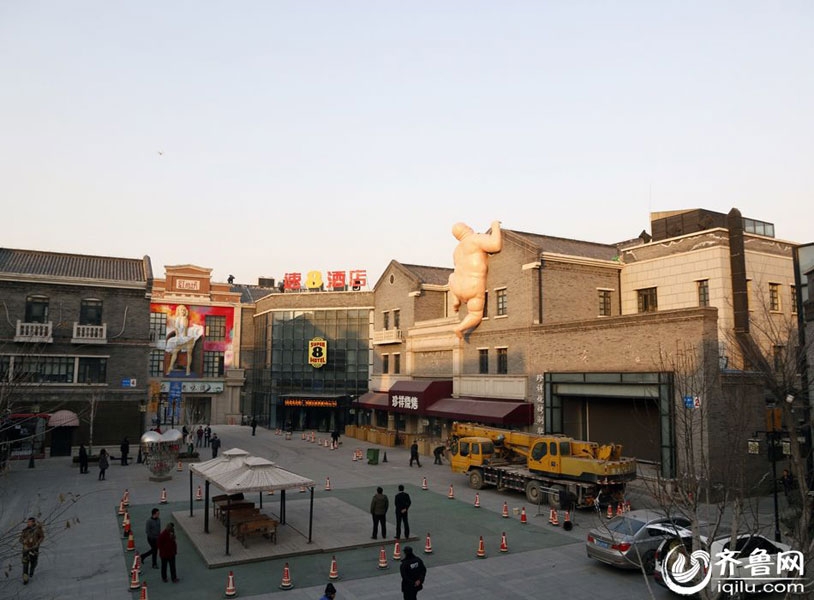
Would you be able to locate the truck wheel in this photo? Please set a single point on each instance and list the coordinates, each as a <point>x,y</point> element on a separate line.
<point>533,494</point>
<point>557,492</point>
<point>476,479</point>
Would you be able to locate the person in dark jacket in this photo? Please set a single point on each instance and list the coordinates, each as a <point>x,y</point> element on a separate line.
<point>402,506</point>
<point>438,453</point>
<point>153,531</point>
<point>254,425</point>
<point>413,572</point>
<point>83,459</point>
<point>378,509</point>
<point>167,550</point>
<point>215,443</point>
<point>125,448</point>
<point>207,435</point>
<point>330,592</point>
<point>104,463</point>
<point>31,538</point>
<point>199,435</point>
<point>414,454</point>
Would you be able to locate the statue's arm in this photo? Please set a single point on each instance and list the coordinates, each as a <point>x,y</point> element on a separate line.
<point>493,241</point>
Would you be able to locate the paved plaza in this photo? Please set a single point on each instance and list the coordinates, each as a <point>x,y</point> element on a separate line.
<point>88,560</point>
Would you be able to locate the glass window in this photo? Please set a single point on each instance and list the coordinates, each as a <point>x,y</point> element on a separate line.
<point>386,320</point>
<point>90,312</point>
<point>397,363</point>
<point>44,369</point>
<point>158,326</point>
<point>648,301</point>
<point>565,448</point>
<point>476,449</point>
<point>552,448</point>
<point>483,361</point>
<point>604,303</point>
<point>502,361</point>
<point>464,448</point>
<point>215,328</point>
<point>794,299</point>
<point>92,370</point>
<point>703,292</point>
<point>501,302</point>
<point>625,525</point>
<point>36,309</point>
<point>385,363</point>
<point>213,364</point>
<point>774,297</point>
<point>396,319</point>
<point>539,451</point>
<point>156,363</point>
<point>486,304</point>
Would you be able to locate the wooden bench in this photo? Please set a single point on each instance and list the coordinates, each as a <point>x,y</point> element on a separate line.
<point>266,526</point>
<point>221,508</point>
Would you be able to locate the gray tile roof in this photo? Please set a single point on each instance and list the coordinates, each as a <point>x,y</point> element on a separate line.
<point>249,294</point>
<point>569,247</point>
<point>431,275</point>
<point>58,264</point>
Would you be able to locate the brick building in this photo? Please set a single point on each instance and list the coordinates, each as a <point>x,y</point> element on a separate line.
<point>74,334</point>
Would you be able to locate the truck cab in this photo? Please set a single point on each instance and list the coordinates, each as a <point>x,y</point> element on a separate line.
<point>471,452</point>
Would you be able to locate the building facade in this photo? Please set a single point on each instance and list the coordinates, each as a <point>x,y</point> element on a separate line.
<point>195,328</point>
<point>74,343</point>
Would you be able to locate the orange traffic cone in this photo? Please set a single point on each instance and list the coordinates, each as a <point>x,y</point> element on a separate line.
<point>286,584</point>
<point>556,521</point>
<point>424,484</point>
<point>523,515</point>
<point>121,507</point>
<point>180,466</point>
<point>610,511</point>
<point>382,559</point>
<point>354,457</point>
<point>137,562</point>
<point>620,510</point>
<point>303,436</point>
<point>551,516</point>
<point>481,553</point>
<point>126,497</point>
<point>504,546</point>
<point>126,529</point>
<point>334,572</point>
<point>627,505</point>
<point>134,582</point>
<point>143,595</point>
<point>131,545</point>
<point>505,513</point>
<point>566,524</point>
<point>327,484</point>
<point>428,545</point>
<point>199,494</point>
<point>163,496</point>
<point>231,590</point>
<point>451,494</point>
<point>397,551</point>
<point>477,500</point>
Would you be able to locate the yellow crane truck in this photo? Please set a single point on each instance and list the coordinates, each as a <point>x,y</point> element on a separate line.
<point>550,467</point>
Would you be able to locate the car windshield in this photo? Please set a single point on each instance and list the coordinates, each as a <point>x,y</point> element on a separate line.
<point>625,525</point>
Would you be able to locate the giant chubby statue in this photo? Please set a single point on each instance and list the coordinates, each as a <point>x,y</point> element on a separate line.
<point>468,282</point>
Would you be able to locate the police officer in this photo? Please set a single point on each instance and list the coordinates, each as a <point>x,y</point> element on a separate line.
<point>413,572</point>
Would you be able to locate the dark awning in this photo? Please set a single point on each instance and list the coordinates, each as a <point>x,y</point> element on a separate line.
<point>483,411</point>
<point>415,396</point>
<point>377,400</point>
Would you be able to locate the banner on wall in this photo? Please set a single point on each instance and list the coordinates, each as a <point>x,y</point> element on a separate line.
<point>317,352</point>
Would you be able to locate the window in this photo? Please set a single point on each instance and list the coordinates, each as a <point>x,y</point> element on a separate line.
<point>476,449</point>
<point>158,326</point>
<point>396,319</point>
<point>92,370</point>
<point>44,369</point>
<point>703,292</point>
<point>156,363</point>
<point>386,320</point>
<point>213,364</point>
<point>215,328</point>
<point>539,451</point>
<point>794,299</point>
<point>486,304</point>
<point>502,361</point>
<point>647,300</point>
<point>604,303</point>
<point>464,449</point>
<point>501,302</point>
<point>483,361</point>
<point>385,363</point>
<point>36,309</point>
<point>90,313</point>
<point>774,297</point>
<point>552,448</point>
<point>397,363</point>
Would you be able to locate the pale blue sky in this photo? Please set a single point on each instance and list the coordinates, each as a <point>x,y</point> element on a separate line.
<point>337,134</point>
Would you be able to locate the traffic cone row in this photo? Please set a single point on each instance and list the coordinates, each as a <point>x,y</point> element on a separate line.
<point>424,484</point>
<point>523,515</point>
<point>231,590</point>
<point>397,551</point>
<point>504,546</point>
<point>505,512</point>
<point>477,500</point>
<point>620,509</point>
<point>382,559</point>
<point>131,544</point>
<point>199,494</point>
<point>327,484</point>
<point>481,552</point>
<point>556,521</point>
<point>126,497</point>
<point>610,511</point>
<point>627,505</point>
<point>428,545</point>
<point>134,581</point>
<point>451,494</point>
<point>286,584</point>
<point>334,572</point>
<point>163,496</point>
<point>143,595</point>
<point>137,562</point>
<point>121,507</point>
<point>303,436</point>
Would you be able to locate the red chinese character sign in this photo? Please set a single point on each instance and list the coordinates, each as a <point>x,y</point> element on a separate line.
<point>293,281</point>
<point>358,279</point>
<point>336,280</point>
<point>317,352</point>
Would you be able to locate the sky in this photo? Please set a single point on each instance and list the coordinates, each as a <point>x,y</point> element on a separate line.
<point>259,138</point>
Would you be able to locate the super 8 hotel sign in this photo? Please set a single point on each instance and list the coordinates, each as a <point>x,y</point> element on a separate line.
<point>317,352</point>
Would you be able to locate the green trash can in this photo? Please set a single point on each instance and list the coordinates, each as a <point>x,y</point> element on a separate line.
<point>373,456</point>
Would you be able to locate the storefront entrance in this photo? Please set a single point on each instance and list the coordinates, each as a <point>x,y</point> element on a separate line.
<point>197,410</point>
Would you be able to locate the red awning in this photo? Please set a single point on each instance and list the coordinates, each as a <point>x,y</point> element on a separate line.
<point>483,411</point>
<point>377,400</point>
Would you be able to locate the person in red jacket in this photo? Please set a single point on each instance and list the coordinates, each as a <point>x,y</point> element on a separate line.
<point>167,549</point>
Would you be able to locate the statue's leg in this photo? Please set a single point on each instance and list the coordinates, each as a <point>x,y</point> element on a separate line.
<point>456,302</point>
<point>474,316</point>
<point>173,358</point>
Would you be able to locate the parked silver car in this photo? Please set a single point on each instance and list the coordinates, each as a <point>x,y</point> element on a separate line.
<point>630,541</point>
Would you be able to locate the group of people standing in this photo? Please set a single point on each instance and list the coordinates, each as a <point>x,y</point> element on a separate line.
<point>104,458</point>
<point>162,545</point>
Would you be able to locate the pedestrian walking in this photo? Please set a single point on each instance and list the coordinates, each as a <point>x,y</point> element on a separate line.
<point>207,435</point>
<point>125,449</point>
<point>378,509</point>
<point>215,445</point>
<point>31,538</point>
<point>414,454</point>
<point>438,453</point>
<point>335,437</point>
<point>330,592</point>
<point>153,531</point>
<point>199,434</point>
<point>254,425</point>
<point>413,572</point>
<point>167,550</point>
<point>83,459</point>
<point>185,431</point>
<point>402,506</point>
<point>104,463</point>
